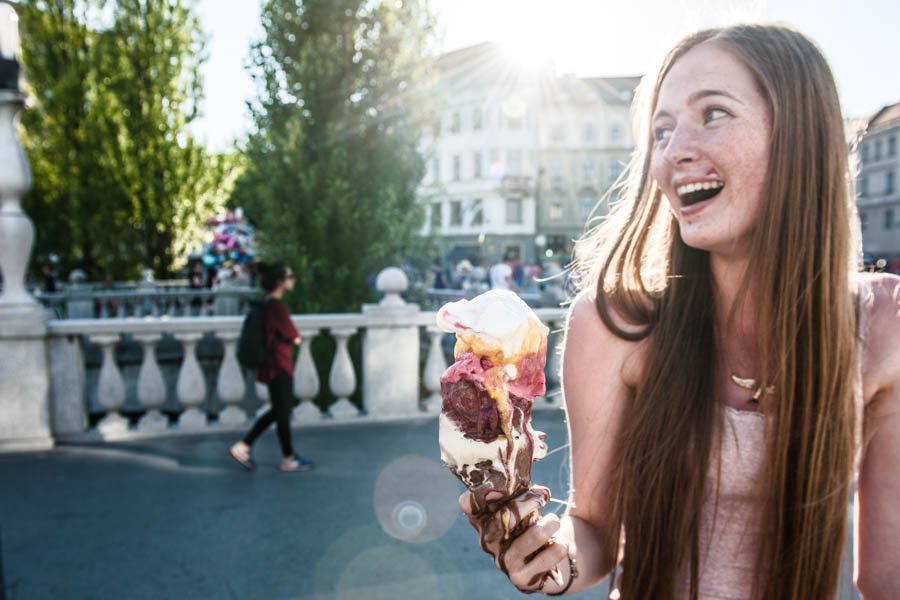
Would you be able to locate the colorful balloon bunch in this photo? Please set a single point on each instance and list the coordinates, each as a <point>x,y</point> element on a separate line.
<point>232,241</point>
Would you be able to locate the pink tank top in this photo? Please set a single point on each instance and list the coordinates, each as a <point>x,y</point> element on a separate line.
<point>730,532</point>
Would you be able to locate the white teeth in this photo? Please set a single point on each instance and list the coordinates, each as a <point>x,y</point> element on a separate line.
<point>703,185</point>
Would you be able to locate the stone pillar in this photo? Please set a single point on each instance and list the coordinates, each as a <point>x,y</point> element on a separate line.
<point>24,369</point>
<point>391,351</point>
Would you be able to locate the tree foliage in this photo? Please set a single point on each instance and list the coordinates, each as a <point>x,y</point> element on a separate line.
<point>119,182</point>
<point>333,164</point>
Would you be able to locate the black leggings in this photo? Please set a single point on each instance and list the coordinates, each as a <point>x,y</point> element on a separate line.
<point>281,394</point>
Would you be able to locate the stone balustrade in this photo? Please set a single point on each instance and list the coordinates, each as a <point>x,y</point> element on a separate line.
<point>75,303</point>
<point>118,379</point>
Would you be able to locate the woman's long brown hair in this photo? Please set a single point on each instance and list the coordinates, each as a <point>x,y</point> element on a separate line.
<point>804,250</point>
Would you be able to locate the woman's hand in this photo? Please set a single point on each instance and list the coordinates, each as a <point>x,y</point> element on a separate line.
<point>518,538</point>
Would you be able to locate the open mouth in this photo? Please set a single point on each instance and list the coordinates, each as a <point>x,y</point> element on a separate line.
<point>693,193</point>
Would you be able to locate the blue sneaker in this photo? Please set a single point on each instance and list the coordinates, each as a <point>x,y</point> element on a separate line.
<point>296,463</point>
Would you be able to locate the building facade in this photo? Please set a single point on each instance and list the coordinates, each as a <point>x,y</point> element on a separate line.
<point>518,159</point>
<point>878,184</point>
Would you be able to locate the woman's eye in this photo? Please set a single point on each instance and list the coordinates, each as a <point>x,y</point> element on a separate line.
<point>713,114</point>
<point>661,134</point>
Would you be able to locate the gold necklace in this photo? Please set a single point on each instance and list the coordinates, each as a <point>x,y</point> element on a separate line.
<point>752,385</point>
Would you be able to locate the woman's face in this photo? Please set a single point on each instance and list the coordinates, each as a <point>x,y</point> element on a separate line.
<point>289,280</point>
<point>711,132</point>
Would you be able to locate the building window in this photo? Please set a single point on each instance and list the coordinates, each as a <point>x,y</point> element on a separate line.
<point>892,145</point>
<point>476,119</point>
<point>877,149</point>
<point>556,170</point>
<point>588,170</point>
<point>615,132</point>
<point>436,216</point>
<point>456,168</point>
<point>889,187</point>
<point>477,165</point>
<point>513,211</point>
<point>865,153</point>
<point>889,218</point>
<point>514,162</point>
<point>588,201</point>
<point>436,169</point>
<point>556,209</point>
<point>456,212</point>
<point>863,187</point>
<point>615,169</point>
<point>863,220</point>
<point>477,212</point>
<point>589,133</point>
<point>454,124</point>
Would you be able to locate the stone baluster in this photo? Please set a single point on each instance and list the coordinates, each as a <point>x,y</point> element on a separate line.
<point>190,386</point>
<point>435,364</point>
<point>230,383</point>
<point>342,378</point>
<point>306,380</point>
<point>151,386</point>
<point>110,389</point>
<point>120,307</point>
<point>554,364</point>
<point>104,306</point>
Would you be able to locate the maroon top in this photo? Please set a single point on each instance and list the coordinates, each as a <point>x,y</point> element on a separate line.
<point>280,335</point>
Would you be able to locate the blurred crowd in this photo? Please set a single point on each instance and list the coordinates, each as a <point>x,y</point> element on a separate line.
<point>511,273</point>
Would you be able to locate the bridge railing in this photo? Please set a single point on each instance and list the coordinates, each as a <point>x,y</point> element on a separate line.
<point>120,378</point>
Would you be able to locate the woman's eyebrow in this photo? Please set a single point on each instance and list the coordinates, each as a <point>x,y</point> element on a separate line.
<point>701,94</point>
<point>696,97</point>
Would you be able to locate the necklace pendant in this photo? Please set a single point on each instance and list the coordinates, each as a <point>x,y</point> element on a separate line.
<point>751,384</point>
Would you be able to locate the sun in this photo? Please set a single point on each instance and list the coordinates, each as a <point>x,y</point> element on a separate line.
<point>526,47</point>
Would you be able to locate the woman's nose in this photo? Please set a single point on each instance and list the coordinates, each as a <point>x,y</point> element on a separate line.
<point>681,146</point>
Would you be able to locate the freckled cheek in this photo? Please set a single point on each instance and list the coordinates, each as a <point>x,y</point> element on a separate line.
<point>660,173</point>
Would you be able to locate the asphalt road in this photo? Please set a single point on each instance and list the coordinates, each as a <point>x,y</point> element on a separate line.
<point>178,518</point>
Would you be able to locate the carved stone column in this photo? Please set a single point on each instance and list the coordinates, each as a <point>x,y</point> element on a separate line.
<point>230,382</point>
<point>435,365</point>
<point>24,370</point>
<point>342,378</point>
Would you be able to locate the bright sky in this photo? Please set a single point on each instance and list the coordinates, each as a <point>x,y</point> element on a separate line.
<point>587,38</point>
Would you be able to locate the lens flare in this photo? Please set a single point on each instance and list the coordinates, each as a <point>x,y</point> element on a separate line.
<point>415,499</point>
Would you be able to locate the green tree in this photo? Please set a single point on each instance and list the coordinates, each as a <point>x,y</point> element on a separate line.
<point>333,165</point>
<point>120,184</point>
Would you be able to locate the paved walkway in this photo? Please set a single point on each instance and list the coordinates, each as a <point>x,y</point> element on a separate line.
<point>178,518</point>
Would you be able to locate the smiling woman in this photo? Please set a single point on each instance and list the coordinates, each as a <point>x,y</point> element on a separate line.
<point>723,351</point>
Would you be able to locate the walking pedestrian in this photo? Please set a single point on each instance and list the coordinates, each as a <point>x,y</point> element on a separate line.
<point>277,370</point>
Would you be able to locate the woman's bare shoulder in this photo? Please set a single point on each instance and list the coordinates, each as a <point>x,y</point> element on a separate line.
<point>589,340</point>
<point>881,349</point>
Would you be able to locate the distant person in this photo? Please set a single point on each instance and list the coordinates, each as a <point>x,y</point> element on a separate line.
<point>460,277</point>
<point>277,370</point>
<point>518,272</point>
<point>48,283</point>
<point>502,274</point>
<point>437,275</point>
